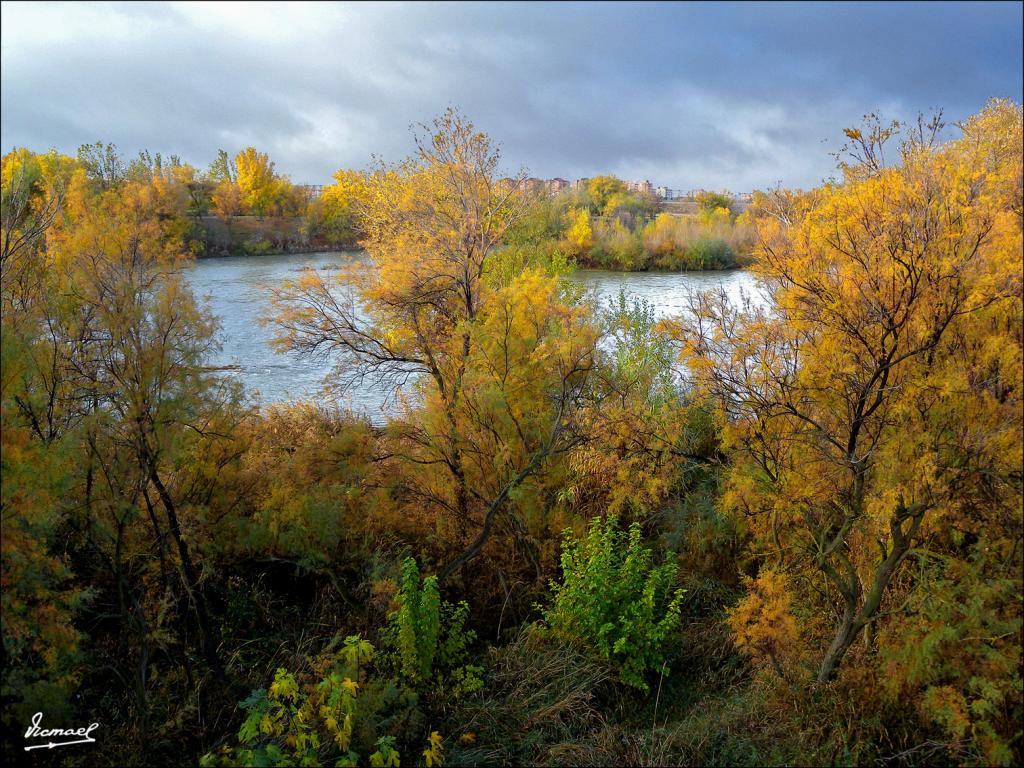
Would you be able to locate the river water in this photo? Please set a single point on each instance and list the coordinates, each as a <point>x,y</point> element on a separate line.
<point>238,291</point>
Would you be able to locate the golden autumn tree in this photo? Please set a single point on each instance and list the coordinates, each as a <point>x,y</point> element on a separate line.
<point>39,598</point>
<point>602,189</point>
<point>107,415</point>
<point>874,406</point>
<point>227,199</point>
<point>712,202</point>
<point>334,214</point>
<point>257,183</point>
<point>579,236</point>
<point>29,205</point>
<point>497,368</point>
<point>144,374</point>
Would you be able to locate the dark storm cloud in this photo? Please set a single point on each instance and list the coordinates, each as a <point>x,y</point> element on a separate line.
<point>718,95</point>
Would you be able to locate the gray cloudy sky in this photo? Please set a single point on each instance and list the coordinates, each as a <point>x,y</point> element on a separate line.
<point>716,95</point>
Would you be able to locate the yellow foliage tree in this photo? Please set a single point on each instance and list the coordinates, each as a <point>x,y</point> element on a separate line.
<point>876,405</point>
<point>602,189</point>
<point>579,236</point>
<point>256,180</point>
<point>103,391</point>
<point>227,199</point>
<point>497,370</point>
<point>337,209</point>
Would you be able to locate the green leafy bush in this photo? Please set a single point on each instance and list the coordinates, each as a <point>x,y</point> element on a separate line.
<point>292,724</point>
<point>287,725</point>
<point>429,638</point>
<point>614,597</point>
<point>417,622</point>
<point>708,253</point>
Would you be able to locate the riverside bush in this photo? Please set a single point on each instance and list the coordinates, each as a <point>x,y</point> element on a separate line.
<point>614,597</point>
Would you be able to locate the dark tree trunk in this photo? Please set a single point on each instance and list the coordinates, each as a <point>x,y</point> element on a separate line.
<point>192,583</point>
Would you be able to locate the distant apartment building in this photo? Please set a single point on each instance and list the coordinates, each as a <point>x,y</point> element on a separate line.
<point>534,185</point>
<point>531,184</point>
<point>580,184</point>
<point>667,193</point>
<point>640,186</point>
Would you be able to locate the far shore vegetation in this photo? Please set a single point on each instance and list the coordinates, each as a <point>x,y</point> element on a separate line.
<point>241,206</point>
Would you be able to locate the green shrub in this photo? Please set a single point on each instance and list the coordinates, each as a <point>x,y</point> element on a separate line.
<point>294,725</point>
<point>613,597</point>
<point>257,245</point>
<point>707,253</point>
<point>417,622</point>
<point>429,638</point>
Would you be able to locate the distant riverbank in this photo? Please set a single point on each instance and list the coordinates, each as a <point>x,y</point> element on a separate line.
<point>217,236</point>
<point>242,236</point>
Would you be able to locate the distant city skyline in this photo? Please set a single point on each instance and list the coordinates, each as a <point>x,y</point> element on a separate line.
<point>662,191</point>
<point>718,95</point>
